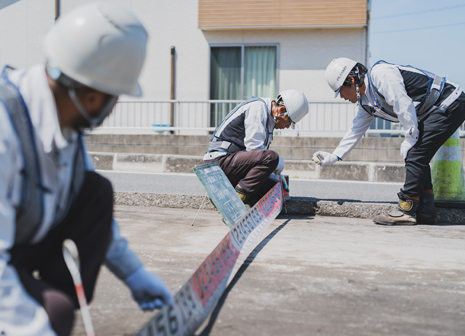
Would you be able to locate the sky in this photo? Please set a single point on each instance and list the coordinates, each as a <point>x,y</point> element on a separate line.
<point>426,34</point>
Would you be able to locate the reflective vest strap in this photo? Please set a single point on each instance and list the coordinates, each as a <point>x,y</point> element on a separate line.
<point>432,95</point>
<point>219,144</point>
<point>224,145</point>
<point>30,214</point>
<point>31,210</point>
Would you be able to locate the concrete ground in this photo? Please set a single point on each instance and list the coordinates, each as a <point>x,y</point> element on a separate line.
<point>309,276</point>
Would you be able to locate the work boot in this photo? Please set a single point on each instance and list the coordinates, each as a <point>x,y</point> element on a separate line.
<point>242,194</point>
<point>404,214</point>
<point>426,212</point>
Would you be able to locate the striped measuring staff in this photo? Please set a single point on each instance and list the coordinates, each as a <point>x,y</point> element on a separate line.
<point>199,295</point>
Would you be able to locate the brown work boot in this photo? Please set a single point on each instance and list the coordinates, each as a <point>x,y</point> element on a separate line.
<point>404,214</point>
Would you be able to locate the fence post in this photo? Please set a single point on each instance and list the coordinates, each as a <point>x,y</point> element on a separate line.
<point>173,52</point>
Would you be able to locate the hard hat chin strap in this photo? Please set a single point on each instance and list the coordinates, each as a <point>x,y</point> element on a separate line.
<point>93,121</point>
<point>71,85</point>
<point>358,72</point>
<point>278,102</point>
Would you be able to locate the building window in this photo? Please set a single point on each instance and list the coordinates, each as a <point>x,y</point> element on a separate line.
<point>240,72</point>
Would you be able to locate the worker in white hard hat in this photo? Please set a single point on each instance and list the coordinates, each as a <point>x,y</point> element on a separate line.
<point>430,109</point>
<point>240,142</point>
<point>49,191</point>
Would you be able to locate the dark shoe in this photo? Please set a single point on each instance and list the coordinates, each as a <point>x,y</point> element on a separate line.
<point>426,212</point>
<point>404,214</point>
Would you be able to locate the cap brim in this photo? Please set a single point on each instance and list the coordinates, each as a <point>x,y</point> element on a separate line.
<point>337,92</point>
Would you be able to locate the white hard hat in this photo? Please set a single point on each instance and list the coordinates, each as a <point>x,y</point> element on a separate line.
<point>296,104</point>
<point>101,45</point>
<point>337,72</point>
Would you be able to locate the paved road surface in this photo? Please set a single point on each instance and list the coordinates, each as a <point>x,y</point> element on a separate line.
<point>188,184</point>
<point>310,276</point>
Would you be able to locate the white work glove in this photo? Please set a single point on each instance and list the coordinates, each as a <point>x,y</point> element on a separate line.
<point>322,158</point>
<point>274,177</point>
<point>279,169</point>
<point>148,289</point>
<point>411,138</point>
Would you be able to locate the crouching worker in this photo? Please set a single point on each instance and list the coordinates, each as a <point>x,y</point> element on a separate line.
<point>240,143</point>
<point>429,108</point>
<point>48,189</point>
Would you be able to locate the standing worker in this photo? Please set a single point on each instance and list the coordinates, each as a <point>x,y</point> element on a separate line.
<point>240,142</point>
<point>429,108</point>
<point>49,191</point>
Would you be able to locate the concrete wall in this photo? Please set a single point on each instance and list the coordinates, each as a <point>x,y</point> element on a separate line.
<point>386,150</point>
<point>291,148</point>
<point>304,53</point>
<point>305,169</point>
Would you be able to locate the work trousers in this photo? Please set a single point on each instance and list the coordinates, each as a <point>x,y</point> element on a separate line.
<point>435,129</point>
<point>88,224</point>
<point>251,170</point>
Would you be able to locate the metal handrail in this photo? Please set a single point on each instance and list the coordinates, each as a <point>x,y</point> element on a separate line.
<point>325,118</point>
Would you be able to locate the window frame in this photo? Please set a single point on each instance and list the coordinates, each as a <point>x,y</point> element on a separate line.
<point>242,46</point>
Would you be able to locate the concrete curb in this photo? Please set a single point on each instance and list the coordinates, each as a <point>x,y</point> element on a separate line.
<point>164,163</point>
<point>295,206</point>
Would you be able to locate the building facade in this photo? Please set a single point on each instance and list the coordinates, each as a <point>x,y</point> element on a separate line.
<point>223,49</point>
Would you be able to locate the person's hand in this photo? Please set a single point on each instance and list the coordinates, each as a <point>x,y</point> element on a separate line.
<point>322,158</point>
<point>279,169</point>
<point>275,177</point>
<point>148,290</point>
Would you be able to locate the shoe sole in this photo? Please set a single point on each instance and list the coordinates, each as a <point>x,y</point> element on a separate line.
<point>395,224</point>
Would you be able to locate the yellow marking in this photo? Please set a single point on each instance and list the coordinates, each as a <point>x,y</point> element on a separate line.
<point>452,142</point>
<point>448,180</point>
<point>241,196</point>
<point>405,205</point>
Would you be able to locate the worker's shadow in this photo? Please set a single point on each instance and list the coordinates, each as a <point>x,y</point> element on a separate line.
<point>242,269</point>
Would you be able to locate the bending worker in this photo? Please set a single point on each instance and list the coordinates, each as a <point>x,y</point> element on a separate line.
<point>49,191</point>
<point>429,108</point>
<point>240,142</point>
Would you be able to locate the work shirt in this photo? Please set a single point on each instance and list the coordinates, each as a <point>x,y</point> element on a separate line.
<point>252,122</point>
<point>389,82</point>
<point>55,149</point>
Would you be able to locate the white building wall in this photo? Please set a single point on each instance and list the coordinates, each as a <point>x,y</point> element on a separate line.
<point>303,53</point>
<point>22,27</point>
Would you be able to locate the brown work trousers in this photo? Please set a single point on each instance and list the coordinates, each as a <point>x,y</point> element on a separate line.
<point>88,224</point>
<point>251,170</point>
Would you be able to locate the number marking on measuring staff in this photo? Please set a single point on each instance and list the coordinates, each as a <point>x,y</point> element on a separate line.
<point>196,299</point>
